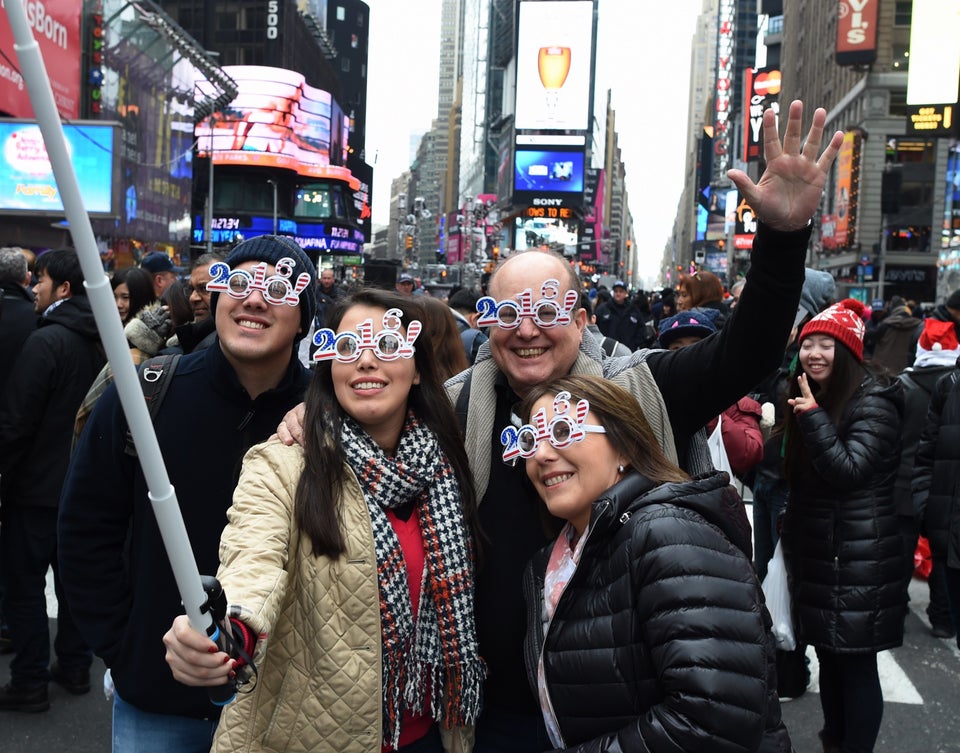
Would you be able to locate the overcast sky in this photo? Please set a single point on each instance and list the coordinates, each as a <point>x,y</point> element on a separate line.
<point>643,57</point>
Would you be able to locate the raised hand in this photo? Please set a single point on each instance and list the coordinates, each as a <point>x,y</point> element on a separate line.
<point>790,188</point>
<point>806,400</point>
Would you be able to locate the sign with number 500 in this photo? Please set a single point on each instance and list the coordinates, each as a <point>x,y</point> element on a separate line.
<point>273,19</point>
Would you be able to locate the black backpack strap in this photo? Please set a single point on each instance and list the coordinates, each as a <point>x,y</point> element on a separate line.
<point>609,345</point>
<point>463,400</point>
<point>155,374</point>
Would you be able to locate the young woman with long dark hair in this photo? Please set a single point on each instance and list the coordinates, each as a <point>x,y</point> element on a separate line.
<point>840,534</point>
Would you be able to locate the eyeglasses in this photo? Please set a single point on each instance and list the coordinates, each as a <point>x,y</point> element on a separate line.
<point>546,312</point>
<point>561,431</point>
<point>388,344</point>
<point>276,289</point>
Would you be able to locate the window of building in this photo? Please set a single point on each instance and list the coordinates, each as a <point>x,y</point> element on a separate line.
<point>341,13</point>
<point>354,41</point>
<point>902,12</point>
<point>320,201</point>
<point>898,103</point>
<point>345,64</point>
<point>901,56</point>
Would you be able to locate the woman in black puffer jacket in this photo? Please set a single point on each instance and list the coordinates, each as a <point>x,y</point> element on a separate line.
<point>841,538</point>
<point>647,629</point>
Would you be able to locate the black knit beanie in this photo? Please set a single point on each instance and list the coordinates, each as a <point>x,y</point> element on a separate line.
<point>271,249</point>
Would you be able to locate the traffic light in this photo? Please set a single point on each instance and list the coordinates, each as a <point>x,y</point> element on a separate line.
<point>408,242</point>
<point>94,70</point>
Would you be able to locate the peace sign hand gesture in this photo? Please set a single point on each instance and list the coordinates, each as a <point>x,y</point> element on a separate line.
<point>806,401</point>
<point>790,188</point>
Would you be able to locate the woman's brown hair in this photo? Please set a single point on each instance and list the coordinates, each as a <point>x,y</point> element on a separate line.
<point>621,415</point>
<point>441,331</point>
<point>702,287</point>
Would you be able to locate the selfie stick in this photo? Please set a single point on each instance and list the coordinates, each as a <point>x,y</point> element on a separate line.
<point>161,493</point>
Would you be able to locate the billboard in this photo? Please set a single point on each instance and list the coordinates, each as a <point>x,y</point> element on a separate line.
<point>846,196</point>
<point>857,32</point>
<point>321,237</point>
<point>762,90</point>
<point>934,53</point>
<point>27,183</point>
<point>543,172</point>
<point>56,27</point>
<point>277,120</point>
<point>726,47</point>
<point>554,61</point>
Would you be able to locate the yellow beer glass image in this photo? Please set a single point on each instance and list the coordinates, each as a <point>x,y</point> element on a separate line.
<point>553,64</point>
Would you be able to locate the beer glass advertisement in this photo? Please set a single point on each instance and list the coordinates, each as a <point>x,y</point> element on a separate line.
<point>277,120</point>
<point>27,183</point>
<point>543,171</point>
<point>554,59</point>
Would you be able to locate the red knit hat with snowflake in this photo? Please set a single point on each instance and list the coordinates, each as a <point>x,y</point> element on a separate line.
<point>844,322</point>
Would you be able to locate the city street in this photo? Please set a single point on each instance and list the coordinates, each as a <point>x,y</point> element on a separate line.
<point>921,688</point>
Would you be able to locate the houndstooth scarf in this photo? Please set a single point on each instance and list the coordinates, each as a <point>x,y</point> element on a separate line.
<point>438,655</point>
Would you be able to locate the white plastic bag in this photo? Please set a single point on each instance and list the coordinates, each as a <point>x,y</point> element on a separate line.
<point>777,593</point>
<point>718,454</point>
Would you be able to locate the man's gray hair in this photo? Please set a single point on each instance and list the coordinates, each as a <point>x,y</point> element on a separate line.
<point>13,266</point>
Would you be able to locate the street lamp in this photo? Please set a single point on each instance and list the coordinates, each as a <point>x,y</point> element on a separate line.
<point>273,183</point>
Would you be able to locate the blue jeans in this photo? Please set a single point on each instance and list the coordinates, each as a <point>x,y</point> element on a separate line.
<point>28,545</point>
<point>136,731</point>
<point>501,731</point>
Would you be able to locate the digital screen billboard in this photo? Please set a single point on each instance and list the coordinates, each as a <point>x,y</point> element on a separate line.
<point>542,171</point>
<point>554,60</point>
<point>277,120</point>
<point>934,53</point>
<point>322,237</point>
<point>56,28</point>
<point>857,32</point>
<point>27,183</point>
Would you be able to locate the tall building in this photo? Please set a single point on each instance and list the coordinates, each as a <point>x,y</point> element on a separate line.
<point>879,227</point>
<point>302,68</point>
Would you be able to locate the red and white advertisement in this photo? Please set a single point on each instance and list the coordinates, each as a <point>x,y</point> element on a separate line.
<point>762,91</point>
<point>856,32</point>
<point>56,27</point>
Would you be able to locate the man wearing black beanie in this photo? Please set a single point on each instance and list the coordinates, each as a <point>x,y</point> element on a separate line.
<point>219,403</point>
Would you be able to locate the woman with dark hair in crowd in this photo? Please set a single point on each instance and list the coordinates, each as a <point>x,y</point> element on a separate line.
<point>132,290</point>
<point>702,290</point>
<point>440,326</point>
<point>841,537</point>
<point>348,562</point>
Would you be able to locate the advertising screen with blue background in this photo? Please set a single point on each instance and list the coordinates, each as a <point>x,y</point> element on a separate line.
<point>27,183</point>
<point>318,237</point>
<point>543,171</point>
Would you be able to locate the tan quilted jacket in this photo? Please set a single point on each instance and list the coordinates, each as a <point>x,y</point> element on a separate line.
<point>319,685</point>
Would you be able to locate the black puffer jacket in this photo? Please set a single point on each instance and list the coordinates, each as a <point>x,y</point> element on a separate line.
<point>660,641</point>
<point>841,537</point>
<point>936,479</point>
<point>53,371</point>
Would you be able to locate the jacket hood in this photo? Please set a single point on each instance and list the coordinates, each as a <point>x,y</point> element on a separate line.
<point>75,314</point>
<point>709,495</point>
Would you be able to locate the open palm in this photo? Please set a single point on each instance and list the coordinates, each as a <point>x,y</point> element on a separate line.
<point>790,188</point>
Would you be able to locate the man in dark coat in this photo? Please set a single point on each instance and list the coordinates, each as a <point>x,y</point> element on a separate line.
<point>619,319</point>
<point>18,317</point>
<point>56,366</point>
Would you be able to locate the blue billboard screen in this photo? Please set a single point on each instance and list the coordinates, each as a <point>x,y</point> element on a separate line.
<point>27,183</point>
<point>548,171</point>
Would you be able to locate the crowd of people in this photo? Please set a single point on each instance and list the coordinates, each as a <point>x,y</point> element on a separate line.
<point>481,524</point>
